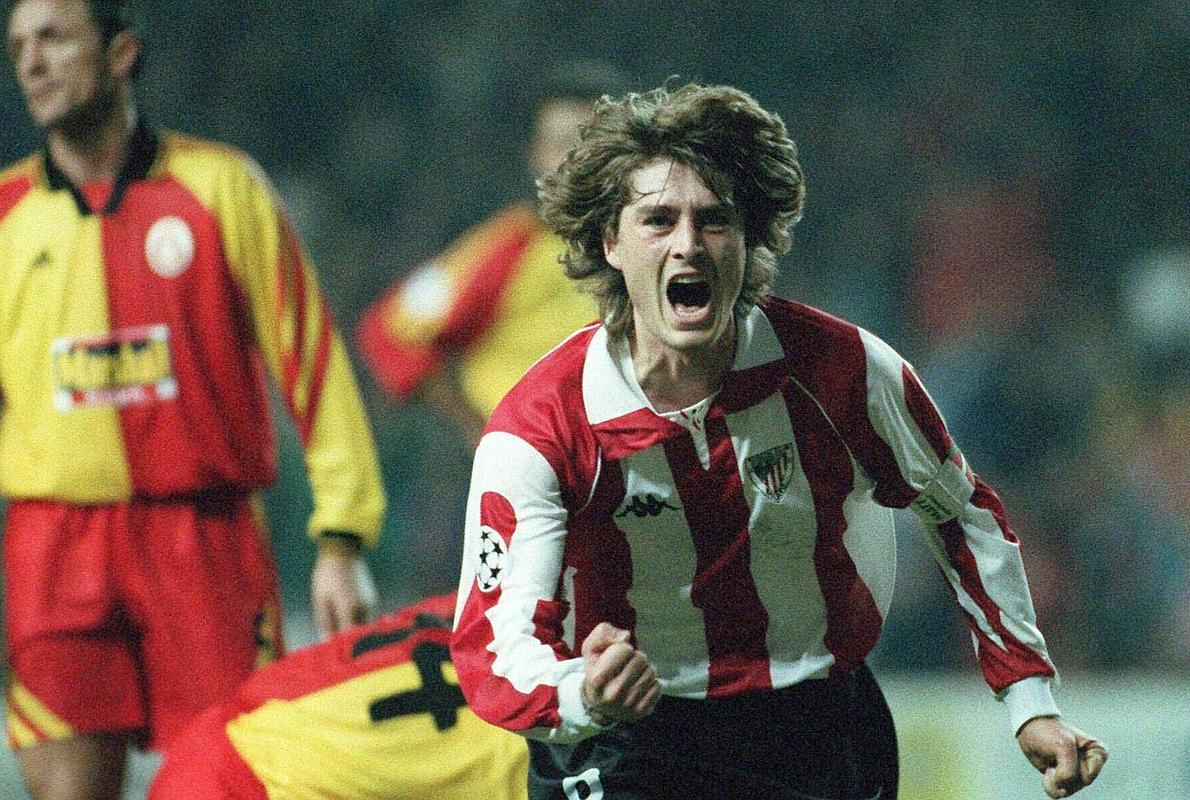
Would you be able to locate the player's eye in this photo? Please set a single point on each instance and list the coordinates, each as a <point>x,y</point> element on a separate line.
<point>718,220</point>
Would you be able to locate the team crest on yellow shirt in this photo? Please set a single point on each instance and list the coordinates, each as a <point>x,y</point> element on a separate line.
<point>127,367</point>
<point>771,470</point>
<point>169,246</point>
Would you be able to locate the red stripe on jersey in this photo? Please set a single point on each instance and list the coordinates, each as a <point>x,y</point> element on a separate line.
<point>986,498</point>
<point>486,692</point>
<point>633,432</point>
<point>748,387</point>
<point>11,193</point>
<point>498,514</point>
<point>322,356</point>
<point>713,502</point>
<point>1001,666</point>
<point>853,621</point>
<point>546,409</point>
<point>217,431</point>
<point>599,553</point>
<point>291,283</point>
<point>925,414</point>
<point>828,358</point>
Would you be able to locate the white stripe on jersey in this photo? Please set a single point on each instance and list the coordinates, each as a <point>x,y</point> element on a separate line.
<point>886,402</point>
<point>668,626</point>
<point>1001,569</point>
<point>603,370</point>
<point>871,541</point>
<point>783,533</point>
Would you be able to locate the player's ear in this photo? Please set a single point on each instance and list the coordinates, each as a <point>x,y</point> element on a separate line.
<point>611,253</point>
<point>122,52</point>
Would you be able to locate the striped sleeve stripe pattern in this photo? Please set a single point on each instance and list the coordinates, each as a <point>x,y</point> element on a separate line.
<point>963,519</point>
<point>305,334</point>
<point>29,721</point>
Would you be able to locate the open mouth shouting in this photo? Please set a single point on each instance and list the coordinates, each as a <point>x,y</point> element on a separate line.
<point>689,298</point>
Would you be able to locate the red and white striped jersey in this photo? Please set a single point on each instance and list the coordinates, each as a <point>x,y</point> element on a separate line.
<point>747,543</point>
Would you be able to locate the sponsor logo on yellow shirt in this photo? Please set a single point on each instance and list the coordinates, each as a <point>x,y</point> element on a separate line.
<point>128,367</point>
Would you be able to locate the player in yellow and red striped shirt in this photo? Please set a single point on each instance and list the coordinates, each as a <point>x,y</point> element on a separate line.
<point>374,712</point>
<point>462,328</point>
<point>150,281</point>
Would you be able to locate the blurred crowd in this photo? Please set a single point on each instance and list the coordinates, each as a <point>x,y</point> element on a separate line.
<point>999,190</point>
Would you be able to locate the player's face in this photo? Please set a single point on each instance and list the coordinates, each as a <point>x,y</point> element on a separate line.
<point>555,132</point>
<point>60,61</point>
<point>681,250</point>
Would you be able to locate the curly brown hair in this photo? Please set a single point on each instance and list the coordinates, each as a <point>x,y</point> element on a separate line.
<point>741,151</point>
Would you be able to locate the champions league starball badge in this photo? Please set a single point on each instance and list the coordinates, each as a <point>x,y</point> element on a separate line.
<point>493,557</point>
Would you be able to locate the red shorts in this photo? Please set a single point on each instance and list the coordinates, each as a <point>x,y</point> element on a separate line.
<point>201,762</point>
<point>133,616</point>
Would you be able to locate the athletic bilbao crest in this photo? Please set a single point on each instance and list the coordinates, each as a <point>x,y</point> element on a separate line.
<point>771,470</point>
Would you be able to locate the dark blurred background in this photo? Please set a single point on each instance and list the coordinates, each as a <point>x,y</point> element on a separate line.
<point>999,190</point>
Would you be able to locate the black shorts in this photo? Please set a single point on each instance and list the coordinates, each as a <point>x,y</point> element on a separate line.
<point>829,739</point>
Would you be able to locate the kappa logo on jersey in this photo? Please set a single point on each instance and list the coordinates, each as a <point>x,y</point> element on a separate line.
<point>128,367</point>
<point>772,470</point>
<point>645,505</point>
<point>493,559</point>
<point>169,246</point>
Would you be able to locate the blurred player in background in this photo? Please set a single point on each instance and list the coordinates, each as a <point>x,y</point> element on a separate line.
<point>150,282</point>
<point>375,712</point>
<point>462,328</point>
<point>679,544</point>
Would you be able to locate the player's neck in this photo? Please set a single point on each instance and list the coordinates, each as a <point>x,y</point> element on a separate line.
<point>96,152</point>
<point>676,379</point>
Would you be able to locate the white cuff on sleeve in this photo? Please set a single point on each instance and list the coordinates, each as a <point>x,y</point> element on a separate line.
<point>1028,698</point>
<point>576,722</point>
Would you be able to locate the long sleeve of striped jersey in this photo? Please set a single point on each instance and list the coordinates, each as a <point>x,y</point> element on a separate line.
<point>521,672</point>
<point>304,354</point>
<point>916,464</point>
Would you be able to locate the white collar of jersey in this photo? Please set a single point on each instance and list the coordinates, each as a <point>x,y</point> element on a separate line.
<point>610,388</point>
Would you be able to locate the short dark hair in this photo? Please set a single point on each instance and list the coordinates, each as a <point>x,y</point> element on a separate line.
<point>111,17</point>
